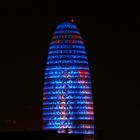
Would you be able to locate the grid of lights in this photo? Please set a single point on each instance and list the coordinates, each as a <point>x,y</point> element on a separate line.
<point>67,97</point>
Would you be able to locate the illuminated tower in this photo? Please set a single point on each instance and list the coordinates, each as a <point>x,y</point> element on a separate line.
<point>67,97</point>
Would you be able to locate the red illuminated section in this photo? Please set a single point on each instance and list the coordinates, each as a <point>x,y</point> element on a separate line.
<point>77,37</point>
<point>83,81</point>
<point>83,76</point>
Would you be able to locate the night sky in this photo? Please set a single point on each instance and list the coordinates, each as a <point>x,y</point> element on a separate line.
<point>111,35</point>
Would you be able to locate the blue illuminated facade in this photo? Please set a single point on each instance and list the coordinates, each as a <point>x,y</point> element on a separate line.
<point>67,96</point>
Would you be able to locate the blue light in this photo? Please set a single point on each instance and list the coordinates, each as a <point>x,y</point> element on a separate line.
<point>67,96</point>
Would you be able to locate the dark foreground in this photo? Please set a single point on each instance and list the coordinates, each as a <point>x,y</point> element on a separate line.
<point>37,135</point>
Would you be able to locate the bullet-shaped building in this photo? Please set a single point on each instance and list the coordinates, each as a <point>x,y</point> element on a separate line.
<point>67,96</point>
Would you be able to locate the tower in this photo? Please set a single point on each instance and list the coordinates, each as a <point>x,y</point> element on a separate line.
<point>67,96</point>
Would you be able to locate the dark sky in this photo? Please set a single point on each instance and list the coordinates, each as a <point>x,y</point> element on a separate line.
<point>111,36</point>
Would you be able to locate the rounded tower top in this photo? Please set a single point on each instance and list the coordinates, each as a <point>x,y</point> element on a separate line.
<point>67,33</point>
<point>67,25</point>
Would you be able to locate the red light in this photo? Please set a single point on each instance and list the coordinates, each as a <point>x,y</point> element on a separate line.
<point>83,75</point>
<point>72,20</point>
<point>76,36</point>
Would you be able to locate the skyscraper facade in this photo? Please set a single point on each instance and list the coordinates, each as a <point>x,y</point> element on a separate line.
<point>67,96</point>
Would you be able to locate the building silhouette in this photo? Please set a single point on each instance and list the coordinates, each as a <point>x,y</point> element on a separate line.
<point>67,96</point>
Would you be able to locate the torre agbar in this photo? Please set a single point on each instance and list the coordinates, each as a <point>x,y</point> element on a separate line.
<point>67,96</point>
